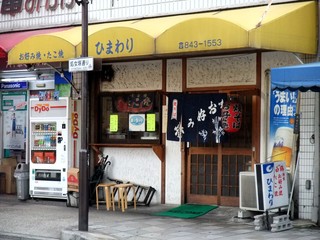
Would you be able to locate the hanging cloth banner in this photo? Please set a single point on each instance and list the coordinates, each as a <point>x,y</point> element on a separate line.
<point>201,117</point>
<point>175,107</point>
<point>283,108</point>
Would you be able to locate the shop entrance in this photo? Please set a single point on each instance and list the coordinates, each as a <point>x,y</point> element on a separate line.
<point>213,169</point>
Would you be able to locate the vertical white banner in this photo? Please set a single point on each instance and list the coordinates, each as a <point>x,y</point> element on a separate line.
<point>271,185</point>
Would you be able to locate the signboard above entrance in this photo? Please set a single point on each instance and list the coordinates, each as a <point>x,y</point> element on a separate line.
<point>15,7</point>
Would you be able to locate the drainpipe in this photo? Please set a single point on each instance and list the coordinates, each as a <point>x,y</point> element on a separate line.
<point>317,138</point>
<point>316,163</point>
<point>316,198</point>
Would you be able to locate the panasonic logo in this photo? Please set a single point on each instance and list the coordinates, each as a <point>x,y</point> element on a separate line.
<point>10,85</point>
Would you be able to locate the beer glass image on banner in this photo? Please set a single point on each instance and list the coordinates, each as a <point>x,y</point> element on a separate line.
<point>282,147</point>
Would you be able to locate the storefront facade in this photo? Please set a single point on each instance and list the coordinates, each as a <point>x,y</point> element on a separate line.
<point>231,53</point>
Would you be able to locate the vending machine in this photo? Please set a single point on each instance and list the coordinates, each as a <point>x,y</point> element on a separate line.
<point>54,145</point>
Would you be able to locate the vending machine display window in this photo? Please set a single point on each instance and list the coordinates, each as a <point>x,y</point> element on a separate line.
<point>48,157</point>
<point>43,143</point>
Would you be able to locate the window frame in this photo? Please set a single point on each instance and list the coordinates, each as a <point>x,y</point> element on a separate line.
<point>131,138</point>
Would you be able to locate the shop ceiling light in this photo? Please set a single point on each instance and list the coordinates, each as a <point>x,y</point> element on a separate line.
<point>18,79</point>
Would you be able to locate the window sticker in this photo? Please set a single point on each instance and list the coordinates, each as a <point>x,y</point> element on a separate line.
<point>114,120</point>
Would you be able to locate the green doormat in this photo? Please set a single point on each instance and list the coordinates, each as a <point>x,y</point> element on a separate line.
<point>187,211</point>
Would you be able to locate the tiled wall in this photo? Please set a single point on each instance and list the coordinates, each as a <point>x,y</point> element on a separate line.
<point>306,168</point>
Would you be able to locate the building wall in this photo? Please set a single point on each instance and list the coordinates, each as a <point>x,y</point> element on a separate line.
<point>306,167</point>
<point>146,75</point>
<point>135,76</point>
<point>220,71</point>
<point>137,165</point>
<point>270,60</point>
<point>173,154</point>
<point>306,170</point>
<point>137,162</point>
<point>174,75</point>
<point>141,165</point>
<point>104,11</point>
<point>173,173</point>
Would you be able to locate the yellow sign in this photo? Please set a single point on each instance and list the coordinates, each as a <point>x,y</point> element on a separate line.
<point>51,47</point>
<point>151,122</point>
<point>114,123</point>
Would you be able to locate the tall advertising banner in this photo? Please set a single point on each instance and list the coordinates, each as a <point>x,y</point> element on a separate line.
<point>14,108</point>
<point>283,107</point>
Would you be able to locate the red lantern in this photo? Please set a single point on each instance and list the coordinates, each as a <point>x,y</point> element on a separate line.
<point>231,116</point>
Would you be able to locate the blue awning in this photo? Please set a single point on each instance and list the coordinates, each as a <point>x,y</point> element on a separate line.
<point>301,77</point>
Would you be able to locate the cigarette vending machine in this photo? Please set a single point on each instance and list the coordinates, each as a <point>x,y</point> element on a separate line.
<point>54,145</point>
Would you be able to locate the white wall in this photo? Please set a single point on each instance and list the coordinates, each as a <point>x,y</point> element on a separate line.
<point>112,10</point>
<point>173,153</point>
<point>137,165</point>
<point>173,173</point>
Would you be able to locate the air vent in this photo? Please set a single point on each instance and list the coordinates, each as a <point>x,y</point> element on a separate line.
<point>107,73</point>
<point>247,196</point>
<point>39,193</point>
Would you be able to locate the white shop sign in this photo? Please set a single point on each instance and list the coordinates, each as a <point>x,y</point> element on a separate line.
<point>81,64</point>
<point>271,185</point>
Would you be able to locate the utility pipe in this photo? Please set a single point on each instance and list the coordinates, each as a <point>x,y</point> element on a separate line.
<point>83,154</point>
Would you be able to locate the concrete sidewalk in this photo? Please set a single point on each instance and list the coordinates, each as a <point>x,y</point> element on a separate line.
<point>51,219</point>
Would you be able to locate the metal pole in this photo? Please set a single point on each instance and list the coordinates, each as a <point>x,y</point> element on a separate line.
<point>84,160</point>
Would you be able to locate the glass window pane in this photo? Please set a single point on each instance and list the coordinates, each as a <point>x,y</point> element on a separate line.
<point>130,118</point>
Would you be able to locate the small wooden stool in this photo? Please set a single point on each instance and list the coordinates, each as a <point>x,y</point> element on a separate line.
<point>107,192</point>
<point>123,190</point>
